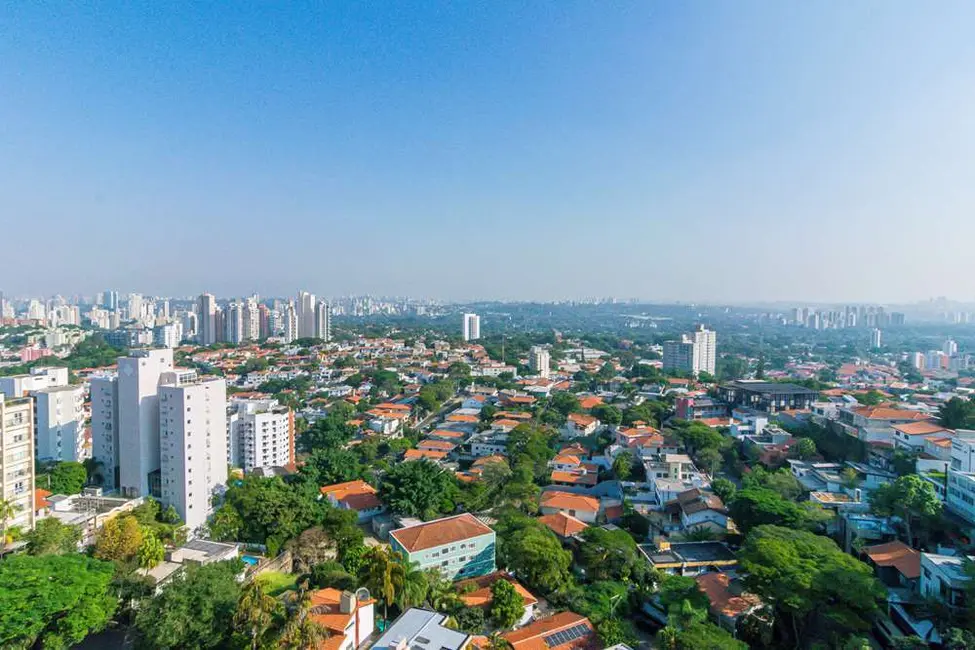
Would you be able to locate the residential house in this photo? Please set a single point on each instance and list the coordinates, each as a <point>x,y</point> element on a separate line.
<point>913,436</point>
<point>421,629</point>
<point>354,495</point>
<point>562,631</point>
<point>563,525</point>
<point>476,592</point>
<point>427,454</point>
<point>584,508</point>
<point>348,617</point>
<point>689,558</point>
<point>876,423</point>
<point>700,408</point>
<point>696,509</point>
<point>461,546</point>
<point>943,577</point>
<point>579,424</point>
<point>895,564</point>
<point>728,603</point>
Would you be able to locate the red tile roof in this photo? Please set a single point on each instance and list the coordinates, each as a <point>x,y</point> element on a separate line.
<point>898,555</point>
<point>442,531</point>
<point>532,636</point>
<point>563,525</point>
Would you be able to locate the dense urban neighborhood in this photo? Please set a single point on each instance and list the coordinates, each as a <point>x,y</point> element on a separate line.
<point>301,473</point>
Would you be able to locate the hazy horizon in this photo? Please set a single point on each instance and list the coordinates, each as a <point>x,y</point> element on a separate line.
<point>717,154</point>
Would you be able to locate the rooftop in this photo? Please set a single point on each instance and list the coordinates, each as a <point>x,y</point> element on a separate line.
<point>566,631</point>
<point>421,629</point>
<point>439,532</point>
<point>757,386</point>
<point>898,555</point>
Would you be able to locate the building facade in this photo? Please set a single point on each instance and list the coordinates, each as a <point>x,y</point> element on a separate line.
<point>261,434</point>
<point>59,423</point>
<point>461,546</point>
<point>207,319</point>
<point>17,460</point>
<point>472,327</point>
<point>540,361</point>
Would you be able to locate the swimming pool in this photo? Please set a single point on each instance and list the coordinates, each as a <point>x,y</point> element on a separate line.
<point>250,559</point>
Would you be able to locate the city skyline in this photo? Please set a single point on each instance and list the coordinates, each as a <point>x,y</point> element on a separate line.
<point>379,151</point>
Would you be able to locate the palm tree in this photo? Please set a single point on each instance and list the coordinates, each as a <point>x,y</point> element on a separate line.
<point>442,595</point>
<point>498,642</point>
<point>300,631</point>
<point>8,511</point>
<point>256,610</point>
<point>385,574</point>
<point>415,586</point>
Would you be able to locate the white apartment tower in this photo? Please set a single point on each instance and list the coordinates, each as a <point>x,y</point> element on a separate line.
<point>234,323</point>
<point>705,350</point>
<point>192,444</point>
<point>306,315</point>
<point>472,327</point>
<point>291,323</point>
<point>693,353</point>
<point>207,319</point>
<point>251,320</point>
<point>261,434</point>
<point>539,360</point>
<point>139,377</point>
<point>323,321</point>
<point>17,460</point>
<point>875,338</point>
<point>59,418</point>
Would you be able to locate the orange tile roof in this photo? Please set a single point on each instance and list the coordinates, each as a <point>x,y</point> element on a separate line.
<point>723,601</point>
<point>325,609</point>
<point>898,555</point>
<point>481,595</point>
<point>429,454</point>
<point>40,499</point>
<point>532,636</point>
<point>563,525</point>
<point>447,433</point>
<point>569,501</point>
<point>442,531</point>
<point>590,402</point>
<point>574,477</point>
<point>512,415</point>
<point>486,460</point>
<point>566,459</point>
<point>462,417</point>
<point>581,419</point>
<point>507,423</point>
<point>436,445</point>
<point>888,413</point>
<point>923,428</point>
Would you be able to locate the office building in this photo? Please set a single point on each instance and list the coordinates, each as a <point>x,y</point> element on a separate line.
<point>875,338</point>
<point>192,444</point>
<point>461,546</point>
<point>261,434</point>
<point>207,321</point>
<point>17,460</point>
<point>472,327</point>
<point>539,360</point>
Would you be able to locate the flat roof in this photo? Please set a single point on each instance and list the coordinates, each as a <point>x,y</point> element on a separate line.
<point>768,387</point>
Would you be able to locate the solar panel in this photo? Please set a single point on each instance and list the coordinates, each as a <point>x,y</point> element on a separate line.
<point>565,636</point>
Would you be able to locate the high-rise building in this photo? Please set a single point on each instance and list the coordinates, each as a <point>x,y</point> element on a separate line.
<point>139,376</point>
<point>250,320</point>
<point>192,445</point>
<point>59,418</point>
<point>323,321</point>
<point>950,347</point>
<point>110,300</point>
<point>291,323</point>
<point>17,460</point>
<point>135,307</point>
<point>876,338</point>
<point>206,313</point>
<point>539,360</point>
<point>261,434</point>
<point>693,353</point>
<point>168,335</point>
<point>234,323</point>
<point>472,327</point>
<point>306,315</point>
<point>191,324</point>
<point>265,322</point>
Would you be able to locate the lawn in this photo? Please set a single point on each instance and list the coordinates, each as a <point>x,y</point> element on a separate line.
<point>277,582</point>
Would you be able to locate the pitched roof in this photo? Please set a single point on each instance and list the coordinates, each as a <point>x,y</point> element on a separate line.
<point>439,532</point>
<point>326,609</point>
<point>543,634</point>
<point>429,454</point>
<point>569,501</point>
<point>898,555</point>
<point>575,477</point>
<point>481,596</point>
<point>563,525</point>
<point>723,601</point>
<point>487,460</point>
<point>888,413</point>
<point>590,402</point>
<point>436,445</point>
<point>923,428</point>
<point>581,419</point>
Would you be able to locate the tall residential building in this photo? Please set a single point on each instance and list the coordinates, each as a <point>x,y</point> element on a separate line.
<point>191,324</point>
<point>291,323</point>
<point>250,320</point>
<point>261,434</point>
<point>139,377</point>
<point>206,314</point>
<point>323,321</point>
<point>693,353</point>
<point>472,327</point>
<point>950,347</point>
<point>59,419</point>
<point>306,315</point>
<point>110,300</point>
<point>192,444</point>
<point>539,360</point>
<point>168,335</point>
<point>234,323</point>
<point>17,459</point>
<point>265,324</point>
<point>876,338</point>
<point>135,306</point>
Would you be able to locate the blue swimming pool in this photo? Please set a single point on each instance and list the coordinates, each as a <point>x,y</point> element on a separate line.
<point>250,559</point>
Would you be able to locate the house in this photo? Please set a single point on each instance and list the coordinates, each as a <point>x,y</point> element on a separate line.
<point>583,508</point>
<point>586,474</point>
<point>349,618</point>
<point>895,564</point>
<point>876,423</point>
<point>580,424</point>
<point>436,445</point>
<point>564,526</point>
<point>943,577</point>
<point>729,605</point>
<point>563,631</point>
<point>912,436</point>
<point>766,395</point>
<point>689,558</point>
<point>421,629</point>
<point>354,495</point>
<point>476,592</point>
<point>428,454</point>
<point>700,408</point>
<point>590,402</point>
<point>461,546</point>
<point>696,509</point>
<point>474,402</point>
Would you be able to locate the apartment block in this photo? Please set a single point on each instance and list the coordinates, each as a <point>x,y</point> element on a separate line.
<point>17,459</point>
<point>261,433</point>
<point>59,419</point>
<point>461,546</point>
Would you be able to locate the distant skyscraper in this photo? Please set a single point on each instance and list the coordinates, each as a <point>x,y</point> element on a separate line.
<point>306,315</point>
<point>291,323</point>
<point>251,320</point>
<point>234,323</point>
<point>110,300</point>
<point>472,327</point>
<point>135,306</point>
<point>323,321</point>
<point>539,360</point>
<point>950,347</point>
<point>207,325</point>
<point>693,353</point>
<point>705,350</point>
<point>876,338</point>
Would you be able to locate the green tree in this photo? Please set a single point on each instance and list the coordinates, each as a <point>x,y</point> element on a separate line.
<point>53,601</point>
<point>384,573</point>
<point>752,507</point>
<point>416,585</point>
<point>418,488</point>
<point>255,615</point>
<point>607,414</point>
<point>607,554</point>
<point>909,497</point>
<point>332,574</point>
<point>805,448</point>
<point>507,605</point>
<point>815,589</point>
<point>531,551</point>
<point>8,510</point>
<point>470,620</point>
<point>194,610</point>
<point>623,465</point>
<point>119,539</point>
<point>266,511</point>
<point>51,537</point>
<point>68,477</point>
<point>724,488</point>
<point>300,630</point>
<point>565,403</point>
<point>151,551</point>
<point>330,466</point>
<point>957,413</point>
<point>781,481</point>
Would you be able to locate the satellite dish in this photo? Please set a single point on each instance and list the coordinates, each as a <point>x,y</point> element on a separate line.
<point>362,594</point>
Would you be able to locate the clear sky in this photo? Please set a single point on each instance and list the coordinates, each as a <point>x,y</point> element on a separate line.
<point>720,151</point>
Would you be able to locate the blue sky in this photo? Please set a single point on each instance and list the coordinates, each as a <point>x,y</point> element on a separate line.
<point>722,151</point>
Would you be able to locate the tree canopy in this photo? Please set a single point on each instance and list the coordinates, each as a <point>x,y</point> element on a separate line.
<point>418,488</point>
